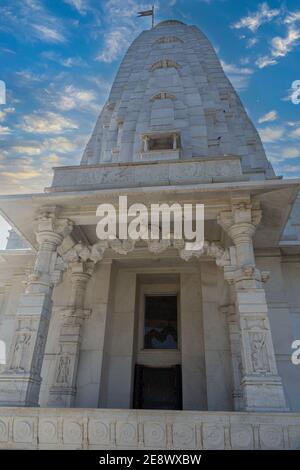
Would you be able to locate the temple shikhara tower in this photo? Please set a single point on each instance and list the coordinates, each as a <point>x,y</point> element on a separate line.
<point>147,345</point>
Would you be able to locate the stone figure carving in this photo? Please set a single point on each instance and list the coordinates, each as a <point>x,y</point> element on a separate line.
<point>20,351</point>
<point>259,354</point>
<point>63,369</point>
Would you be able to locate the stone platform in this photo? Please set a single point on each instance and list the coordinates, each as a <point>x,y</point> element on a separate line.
<point>79,428</point>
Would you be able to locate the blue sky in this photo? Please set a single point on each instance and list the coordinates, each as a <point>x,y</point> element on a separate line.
<point>58,59</point>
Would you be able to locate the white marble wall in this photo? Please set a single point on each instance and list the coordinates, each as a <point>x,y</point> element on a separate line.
<point>216,340</point>
<point>107,349</point>
<point>119,362</point>
<point>194,391</point>
<point>283,297</point>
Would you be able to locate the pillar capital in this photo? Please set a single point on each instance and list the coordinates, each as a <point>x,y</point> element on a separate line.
<point>50,233</point>
<point>240,223</point>
<point>82,270</point>
<point>51,228</point>
<point>241,219</point>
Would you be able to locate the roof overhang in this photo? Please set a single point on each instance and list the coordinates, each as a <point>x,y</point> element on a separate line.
<point>276,197</point>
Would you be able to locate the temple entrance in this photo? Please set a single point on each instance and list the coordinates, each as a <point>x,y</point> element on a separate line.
<point>157,388</point>
<point>157,381</point>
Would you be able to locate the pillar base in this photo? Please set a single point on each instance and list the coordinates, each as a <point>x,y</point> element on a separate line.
<point>20,382</point>
<point>263,394</point>
<point>19,390</point>
<point>62,397</point>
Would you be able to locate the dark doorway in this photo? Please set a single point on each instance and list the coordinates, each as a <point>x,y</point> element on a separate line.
<point>160,326</point>
<point>157,388</point>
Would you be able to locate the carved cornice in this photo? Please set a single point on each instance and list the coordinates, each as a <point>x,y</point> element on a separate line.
<point>83,253</point>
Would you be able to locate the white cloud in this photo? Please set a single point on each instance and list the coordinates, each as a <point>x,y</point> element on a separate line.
<point>4,130</point>
<point>292,17</point>
<point>253,21</point>
<point>3,155</point>
<point>115,42</point>
<point>79,5</point>
<point>60,145</point>
<point>251,42</point>
<point>24,174</point>
<point>5,112</point>
<point>64,61</point>
<point>295,133</point>
<point>124,27</point>
<point>282,46</point>
<point>47,123</point>
<point>48,34</point>
<point>288,97</point>
<point>27,149</point>
<point>51,160</point>
<point>75,98</point>
<point>291,152</point>
<point>270,116</point>
<point>290,168</point>
<point>30,19</point>
<point>264,61</point>
<point>271,134</point>
<point>278,152</point>
<point>239,76</point>
<point>71,62</point>
<point>28,75</point>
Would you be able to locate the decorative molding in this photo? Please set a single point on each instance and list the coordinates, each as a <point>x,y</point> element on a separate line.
<point>163,95</point>
<point>163,64</point>
<point>168,40</point>
<point>81,252</point>
<point>46,428</point>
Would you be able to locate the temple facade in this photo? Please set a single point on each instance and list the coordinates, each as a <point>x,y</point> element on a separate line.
<point>146,344</point>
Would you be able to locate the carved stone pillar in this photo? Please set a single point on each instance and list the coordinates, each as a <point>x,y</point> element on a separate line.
<point>63,391</point>
<point>261,385</point>
<point>235,349</point>
<point>20,381</point>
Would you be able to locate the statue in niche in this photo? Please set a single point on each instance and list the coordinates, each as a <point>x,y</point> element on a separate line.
<point>20,352</point>
<point>63,369</point>
<point>259,353</point>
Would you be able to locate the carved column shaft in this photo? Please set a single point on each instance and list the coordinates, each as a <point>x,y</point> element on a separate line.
<point>235,349</point>
<point>63,391</point>
<point>260,382</point>
<point>241,234</point>
<point>20,382</point>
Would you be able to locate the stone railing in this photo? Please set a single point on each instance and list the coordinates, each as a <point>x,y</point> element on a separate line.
<point>83,428</point>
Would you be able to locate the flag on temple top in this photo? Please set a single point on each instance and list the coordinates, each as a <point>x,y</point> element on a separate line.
<point>145,13</point>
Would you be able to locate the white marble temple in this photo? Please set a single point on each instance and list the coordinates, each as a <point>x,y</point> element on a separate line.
<point>72,312</point>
